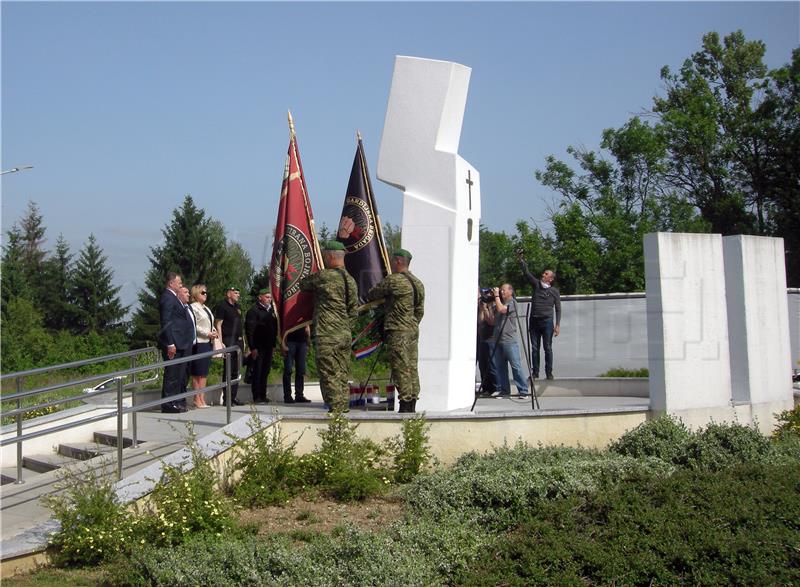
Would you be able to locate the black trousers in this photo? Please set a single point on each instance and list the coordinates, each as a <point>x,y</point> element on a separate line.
<point>261,368</point>
<point>174,382</point>
<point>233,359</point>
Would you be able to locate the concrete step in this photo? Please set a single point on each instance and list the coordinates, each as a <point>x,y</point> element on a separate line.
<point>83,451</point>
<point>45,463</point>
<point>110,439</point>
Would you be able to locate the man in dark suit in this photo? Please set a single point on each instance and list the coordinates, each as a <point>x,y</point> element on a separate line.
<point>175,340</point>
<point>260,328</point>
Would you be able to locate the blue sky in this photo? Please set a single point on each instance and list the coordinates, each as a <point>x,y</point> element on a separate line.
<point>123,108</point>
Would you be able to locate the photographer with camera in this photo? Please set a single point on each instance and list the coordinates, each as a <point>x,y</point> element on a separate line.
<point>544,300</point>
<point>485,336</point>
<point>504,347</point>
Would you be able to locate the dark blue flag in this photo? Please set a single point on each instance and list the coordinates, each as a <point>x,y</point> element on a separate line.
<point>360,229</point>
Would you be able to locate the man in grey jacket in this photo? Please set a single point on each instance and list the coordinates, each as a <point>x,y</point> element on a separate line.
<point>542,329</point>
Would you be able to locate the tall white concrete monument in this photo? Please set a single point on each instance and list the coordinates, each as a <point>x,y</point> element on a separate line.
<point>441,215</point>
<point>758,321</point>
<point>687,323</point>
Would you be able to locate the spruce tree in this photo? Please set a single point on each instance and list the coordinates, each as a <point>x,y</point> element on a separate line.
<point>195,247</point>
<point>96,300</point>
<point>59,311</point>
<point>15,282</point>
<point>32,233</point>
<point>260,281</point>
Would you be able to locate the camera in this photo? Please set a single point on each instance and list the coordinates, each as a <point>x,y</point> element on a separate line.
<point>487,295</point>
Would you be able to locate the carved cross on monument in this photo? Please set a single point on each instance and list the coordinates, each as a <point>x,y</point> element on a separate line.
<point>419,155</point>
<point>470,183</point>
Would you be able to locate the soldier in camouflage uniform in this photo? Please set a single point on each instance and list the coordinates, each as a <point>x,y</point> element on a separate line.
<point>405,305</point>
<point>335,315</point>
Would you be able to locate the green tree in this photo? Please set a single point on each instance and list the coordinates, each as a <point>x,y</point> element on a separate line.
<point>32,240</point>
<point>15,283</point>
<point>781,106</point>
<point>260,281</point>
<point>96,299</point>
<point>194,246</point>
<point>392,236</point>
<point>714,136</point>
<point>495,257</point>
<point>59,311</point>
<point>237,267</point>
<point>619,195</point>
<point>26,343</point>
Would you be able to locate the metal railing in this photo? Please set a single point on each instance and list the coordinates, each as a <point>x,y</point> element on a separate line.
<point>118,389</point>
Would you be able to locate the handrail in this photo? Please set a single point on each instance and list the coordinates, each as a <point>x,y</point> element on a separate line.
<point>118,390</point>
<point>81,363</point>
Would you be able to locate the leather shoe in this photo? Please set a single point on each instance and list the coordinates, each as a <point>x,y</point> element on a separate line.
<point>173,409</point>
<point>301,399</point>
<point>288,399</point>
<point>236,402</point>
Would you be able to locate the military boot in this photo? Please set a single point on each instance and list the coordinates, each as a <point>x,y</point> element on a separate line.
<point>405,407</point>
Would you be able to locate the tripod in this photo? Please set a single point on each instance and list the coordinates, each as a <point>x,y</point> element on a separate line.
<point>526,346</point>
<point>479,391</point>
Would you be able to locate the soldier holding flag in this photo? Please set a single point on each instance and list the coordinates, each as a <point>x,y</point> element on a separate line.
<point>335,314</point>
<point>405,306</point>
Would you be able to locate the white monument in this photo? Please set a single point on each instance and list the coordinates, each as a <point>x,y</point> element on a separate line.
<point>441,215</point>
<point>687,323</point>
<point>758,322</point>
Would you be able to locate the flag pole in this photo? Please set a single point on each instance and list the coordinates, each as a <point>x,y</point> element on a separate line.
<point>309,217</point>
<point>371,196</point>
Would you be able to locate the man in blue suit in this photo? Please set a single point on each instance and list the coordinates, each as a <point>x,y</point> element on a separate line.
<point>175,340</point>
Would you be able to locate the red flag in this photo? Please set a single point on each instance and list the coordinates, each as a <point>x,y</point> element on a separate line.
<point>295,250</point>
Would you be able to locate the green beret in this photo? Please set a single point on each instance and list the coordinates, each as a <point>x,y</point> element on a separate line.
<point>332,246</point>
<point>264,290</point>
<point>402,253</point>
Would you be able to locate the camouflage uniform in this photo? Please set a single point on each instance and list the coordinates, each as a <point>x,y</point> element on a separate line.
<point>335,315</point>
<point>401,329</point>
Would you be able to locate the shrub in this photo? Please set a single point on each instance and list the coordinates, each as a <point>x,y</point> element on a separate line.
<point>788,423</point>
<point>270,473</point>
<point>622,372</point>
<point>664,437</point>
<point>94,526</point>
<point>722,445</point>
<point>733,527</point>
<point>184,504</point>
<point>345,467</point>
<point>417,553</point>
<point>496,489</point>
<point>411,450</point>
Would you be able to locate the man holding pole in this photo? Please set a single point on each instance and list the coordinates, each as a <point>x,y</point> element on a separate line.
<point>335,314</point>
<point>405,306</point>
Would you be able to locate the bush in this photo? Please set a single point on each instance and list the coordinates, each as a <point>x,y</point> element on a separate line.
<point>734,527</point>
<point>664,438</point>
<point>788,423</point>
<point>722,445</point>
<point>345,467</point>
<point>184,504</point>
<point>622,372</point>
<point>270,472</point>
<point>418,553</point>
<point>94,526</point>
<point>411,450</point>
<point>498,488</point>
